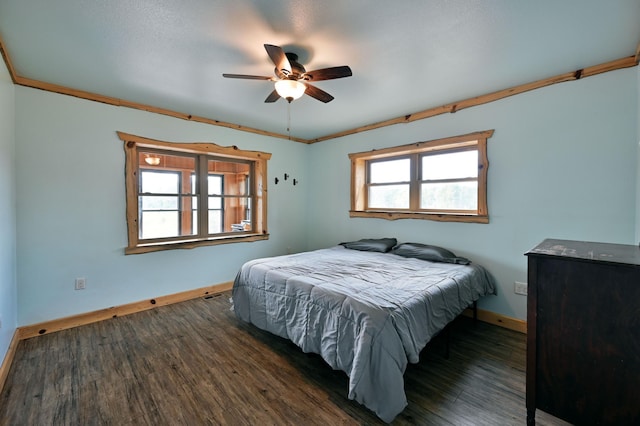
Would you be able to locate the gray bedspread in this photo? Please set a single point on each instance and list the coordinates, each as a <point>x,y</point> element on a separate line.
<point>365,313</point>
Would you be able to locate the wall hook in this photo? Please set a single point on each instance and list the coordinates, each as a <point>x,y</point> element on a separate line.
<point>286,176</point>
<point>295,182</point>
<point>277,180</point>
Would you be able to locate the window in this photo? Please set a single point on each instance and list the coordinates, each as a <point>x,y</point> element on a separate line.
<point>185,195</point>
<point>159,213</point>
<point>444,179</point>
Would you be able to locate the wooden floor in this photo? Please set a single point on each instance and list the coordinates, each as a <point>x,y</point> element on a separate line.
<point>194,363</point>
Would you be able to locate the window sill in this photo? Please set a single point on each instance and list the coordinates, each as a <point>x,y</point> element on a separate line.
<point>147,248</point>
<point>440,217</point>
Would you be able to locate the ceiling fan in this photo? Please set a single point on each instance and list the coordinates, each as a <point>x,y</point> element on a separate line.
<point>292,80</point>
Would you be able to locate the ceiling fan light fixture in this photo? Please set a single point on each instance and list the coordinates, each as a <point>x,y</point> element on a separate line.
<point>290,89</point>
<point>152,160</point>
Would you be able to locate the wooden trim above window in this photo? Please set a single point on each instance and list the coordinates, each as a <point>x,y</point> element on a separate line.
<point>433,145</point>
<point>193,147</point>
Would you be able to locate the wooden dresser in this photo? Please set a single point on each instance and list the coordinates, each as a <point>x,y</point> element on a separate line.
<point>583,332</point>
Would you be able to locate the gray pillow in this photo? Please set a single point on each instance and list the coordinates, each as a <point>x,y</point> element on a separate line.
<point>381,245</point>
<point>428,252</point>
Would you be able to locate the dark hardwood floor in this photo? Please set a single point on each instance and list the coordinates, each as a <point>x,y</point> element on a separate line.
<point>194,363</point>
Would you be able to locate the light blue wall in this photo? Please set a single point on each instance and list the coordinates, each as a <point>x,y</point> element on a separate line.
<point>71,207</point>
<point>8,298</point>
<point>562,165</point>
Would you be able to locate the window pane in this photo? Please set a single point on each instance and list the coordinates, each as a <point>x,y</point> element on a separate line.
<point>159,225</point>
<point>236,216</point>
<point>194,215</point>
<point>389,196</point>
<point>154,202</point>
<point>228,177</point>
<point>215,203</point>
<point>449,196</point>
<point>244,213</point>
<point>390,171</point>
<point>163,160</point>
<point>160,182</point>
<point>215,185</point>
<point>215,221</point>
<point>450,166</point>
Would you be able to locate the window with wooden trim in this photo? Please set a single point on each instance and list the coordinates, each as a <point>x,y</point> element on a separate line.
<point>185,195</point>
<point>443,179</point>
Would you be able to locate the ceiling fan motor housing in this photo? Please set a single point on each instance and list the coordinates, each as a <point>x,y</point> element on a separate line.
<point>297,70</point>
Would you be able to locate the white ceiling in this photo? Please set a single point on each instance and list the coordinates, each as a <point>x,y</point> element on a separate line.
<point>406,55</point>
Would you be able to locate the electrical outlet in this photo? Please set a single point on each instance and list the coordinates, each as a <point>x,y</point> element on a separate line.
<point>520,288</point>
<point>81,283</point>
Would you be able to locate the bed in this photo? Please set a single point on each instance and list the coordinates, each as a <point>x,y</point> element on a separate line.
<point>367,312</point>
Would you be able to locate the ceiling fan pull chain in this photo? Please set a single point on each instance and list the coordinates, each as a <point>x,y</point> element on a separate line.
<point>289,119</point>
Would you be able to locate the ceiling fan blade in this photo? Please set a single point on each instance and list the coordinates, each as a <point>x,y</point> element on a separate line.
<point>247,77</point>
<point>328,73</point>
<point>273,96</point>
<point>319,94</point>
<point>279,58</point>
